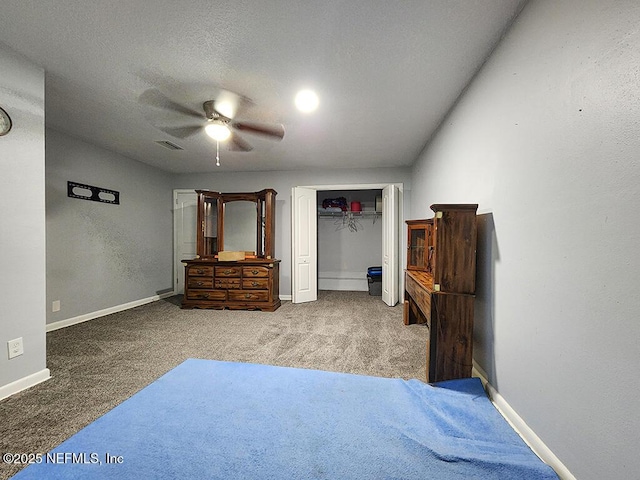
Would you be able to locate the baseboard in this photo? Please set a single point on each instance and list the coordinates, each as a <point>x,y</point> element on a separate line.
<point>352,281</point>
<point>107,311</point>
<point>285,297</point>
<point>519,425</point>
<point>24,383</point>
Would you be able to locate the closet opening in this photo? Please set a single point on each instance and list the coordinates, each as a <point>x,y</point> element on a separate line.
<point>349,239</point>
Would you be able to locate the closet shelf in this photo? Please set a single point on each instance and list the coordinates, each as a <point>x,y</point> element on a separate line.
<point>349,219</point>
<point>344,214</point>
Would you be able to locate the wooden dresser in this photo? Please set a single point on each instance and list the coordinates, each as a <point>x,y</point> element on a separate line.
<point>242,284</point>
<point>440,287</point>
<point>235,266</point>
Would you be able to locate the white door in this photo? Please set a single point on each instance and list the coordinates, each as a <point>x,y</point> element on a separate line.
<point>304,246</point>
<point>390,245</point>
<point>185,216</point>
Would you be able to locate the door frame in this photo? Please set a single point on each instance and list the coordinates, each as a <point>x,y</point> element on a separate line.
<point>400,221</point>
<point>177,262</point>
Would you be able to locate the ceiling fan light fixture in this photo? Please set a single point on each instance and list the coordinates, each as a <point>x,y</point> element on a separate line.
<point>218,131</point>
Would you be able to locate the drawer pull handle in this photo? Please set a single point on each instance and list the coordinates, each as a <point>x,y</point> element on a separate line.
<point>255,272</point>
<point>227,272</point>
<point>200,271</point>
<point>254,284</point>
<point>247,295</point>
<point>200,283</point>
<point>205,295</point>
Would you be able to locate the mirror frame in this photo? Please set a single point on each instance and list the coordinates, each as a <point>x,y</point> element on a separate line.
<point>265,220</point>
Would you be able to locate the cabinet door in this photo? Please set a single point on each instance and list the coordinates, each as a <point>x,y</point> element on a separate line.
<point>415,248</point>
<point>454,258</point>
<point>419,244</point>
<point>451,337</point>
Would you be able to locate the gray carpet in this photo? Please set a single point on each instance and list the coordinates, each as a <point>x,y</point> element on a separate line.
<point>98,364</point>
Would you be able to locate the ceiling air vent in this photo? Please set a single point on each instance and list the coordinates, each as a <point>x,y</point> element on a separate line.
<point>169,145</point>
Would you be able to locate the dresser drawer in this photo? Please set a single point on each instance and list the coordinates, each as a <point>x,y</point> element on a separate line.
<point>206,294</point>
<point>200,282</point>
<point>200,271</point>
<point>231,271</point>
<point>252,272</point>
<point>227,283</point>
<point>255,283</point>
<point>253,295</point>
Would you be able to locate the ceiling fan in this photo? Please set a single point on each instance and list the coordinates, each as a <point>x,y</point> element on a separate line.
<point>217,120</point>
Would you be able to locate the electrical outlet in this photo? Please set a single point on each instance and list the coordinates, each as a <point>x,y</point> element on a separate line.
<point>55,306</point>
<point>15,347</point>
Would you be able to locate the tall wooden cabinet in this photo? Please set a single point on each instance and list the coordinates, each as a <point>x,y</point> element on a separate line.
<point>235,266</point>
<point>440,286</point>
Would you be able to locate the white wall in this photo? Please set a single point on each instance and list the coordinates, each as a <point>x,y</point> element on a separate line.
<point>547,140</point>
<point>282,182</point>
<point>22,236</point>
<point>99,255</point>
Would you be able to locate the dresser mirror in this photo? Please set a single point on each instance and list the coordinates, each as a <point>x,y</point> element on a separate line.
<point>239,222</point>
<point>241,226</point>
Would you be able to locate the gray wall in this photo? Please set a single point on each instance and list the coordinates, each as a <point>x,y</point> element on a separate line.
<point>22,235</point>
<point>547,139</point>
<point>101,255</point>
<point>282,182</point>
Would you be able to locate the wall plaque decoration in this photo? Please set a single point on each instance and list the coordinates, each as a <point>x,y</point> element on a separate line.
<point>89,192</point>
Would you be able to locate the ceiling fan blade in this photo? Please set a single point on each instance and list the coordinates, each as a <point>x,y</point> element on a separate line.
<point>182,132</point>
<point>237,143</point>
<point>156,98</point>
<point>260,129</point>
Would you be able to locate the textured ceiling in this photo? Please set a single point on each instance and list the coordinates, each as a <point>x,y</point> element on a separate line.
<point>386,72</point>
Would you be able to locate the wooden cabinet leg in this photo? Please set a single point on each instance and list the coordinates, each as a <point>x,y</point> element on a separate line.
<point>405,312</point>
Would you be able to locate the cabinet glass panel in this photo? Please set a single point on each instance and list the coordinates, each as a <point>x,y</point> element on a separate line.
<point>429,248</point>
<point>417,245</point>
<point>210,226</point>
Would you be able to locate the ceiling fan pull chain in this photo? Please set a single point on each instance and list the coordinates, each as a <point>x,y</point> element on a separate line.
<point>217,153</point>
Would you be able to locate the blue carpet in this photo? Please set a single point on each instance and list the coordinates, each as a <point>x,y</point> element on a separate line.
<point>218,420</point>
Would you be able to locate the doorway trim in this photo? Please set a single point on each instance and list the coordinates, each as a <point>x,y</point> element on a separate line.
<point>367,186</point>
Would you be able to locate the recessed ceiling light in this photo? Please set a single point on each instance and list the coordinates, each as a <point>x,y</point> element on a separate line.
<point>307,100</point>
